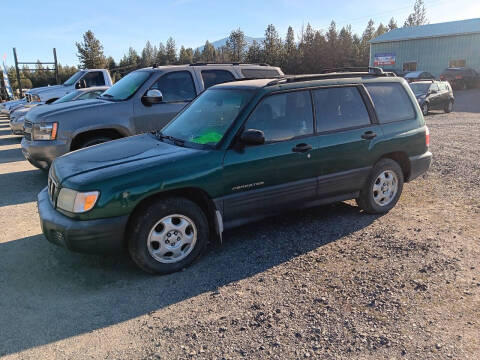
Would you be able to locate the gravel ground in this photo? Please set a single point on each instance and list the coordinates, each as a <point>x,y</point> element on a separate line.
<point>329,282</point>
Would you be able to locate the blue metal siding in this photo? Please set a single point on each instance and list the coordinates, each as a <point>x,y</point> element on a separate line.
<point>432,54</point>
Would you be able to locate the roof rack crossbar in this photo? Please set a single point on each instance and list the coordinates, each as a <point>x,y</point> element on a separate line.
<point>232,63</point>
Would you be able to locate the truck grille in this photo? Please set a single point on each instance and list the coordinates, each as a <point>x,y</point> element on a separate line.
<point>27,130</point>
<point>52,190</point>
<point>29,97</point>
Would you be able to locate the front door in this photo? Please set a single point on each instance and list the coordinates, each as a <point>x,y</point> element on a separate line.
<point>178,90</point>
<point>264,177</point>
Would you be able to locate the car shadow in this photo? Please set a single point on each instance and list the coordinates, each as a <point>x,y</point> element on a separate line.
<point>11,155</point>
<point>5,132</point>
<point>21,187</point>
<point>49,294</point>
<point>11,140</point>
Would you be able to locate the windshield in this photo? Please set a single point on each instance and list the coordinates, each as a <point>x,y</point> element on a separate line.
<point>68,97</point>
<point>208,118</point>
<point>420,88</point>
<point>127,86</point>
<point>73,78</point>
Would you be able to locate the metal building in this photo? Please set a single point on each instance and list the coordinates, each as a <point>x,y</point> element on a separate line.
<point>431,48</point>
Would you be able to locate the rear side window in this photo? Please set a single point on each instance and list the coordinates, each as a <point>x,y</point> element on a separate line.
<point>260,73</point>
<point>339,108</point>
<point>391,102</point>
<point>283,116</point>
<point>213,77</point>
<point>176,86</point>
<point>94,78</point>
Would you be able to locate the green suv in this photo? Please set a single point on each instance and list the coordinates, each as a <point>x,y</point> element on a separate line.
<point>241,151</point>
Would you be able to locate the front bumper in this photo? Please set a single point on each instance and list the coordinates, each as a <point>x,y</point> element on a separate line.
<point>419,165</point>
<point>100,236</point>
<point>16,127</point>
<point>42,153</point>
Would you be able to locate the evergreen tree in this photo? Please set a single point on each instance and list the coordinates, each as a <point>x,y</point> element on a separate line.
<point>186,56</point>
<point>90,52</point>
<point>367,35</point>
<point>381,29</point>
<point>197,56</point>
<point>236,45</point>
<point>254,53</point>
<point>392,24</point>
<point>272,46</point>
<point>290,60</point>
<point>161,58</point>
<point>148,56</point>
<point>110,63</point>
<point>171,51</point>
<point>208,53</point>
<point>418,16</point>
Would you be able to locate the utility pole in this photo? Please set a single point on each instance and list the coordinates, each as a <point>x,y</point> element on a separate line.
<point>17,70</point>
<point>56,65</point>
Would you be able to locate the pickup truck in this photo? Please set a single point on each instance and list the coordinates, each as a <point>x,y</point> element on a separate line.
<point>143,101</point>
<point>80,80</point>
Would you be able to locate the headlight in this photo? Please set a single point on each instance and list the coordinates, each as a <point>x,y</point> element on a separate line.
<point>36,98</point>
<point>76,202</point>
<point>45,131</point>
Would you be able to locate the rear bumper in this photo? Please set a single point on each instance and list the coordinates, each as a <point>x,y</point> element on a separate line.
<point>100,236</point>
<point>419,165</point>
<point>42,153</point>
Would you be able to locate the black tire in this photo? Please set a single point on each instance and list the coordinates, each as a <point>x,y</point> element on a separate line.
<point>146,218</point>
<point>94,141</point>
<point>425,109</point>
<point>448,107</point>
<point>366,199</point>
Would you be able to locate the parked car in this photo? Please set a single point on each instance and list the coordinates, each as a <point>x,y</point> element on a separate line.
<point>142,101</point>
<point>241,151</point>
<point>17,119</point>
<point>418,75</point>
<point>461,78</point>
<point>433,95</point>
<point>7,106</point>
<point>80,80</point>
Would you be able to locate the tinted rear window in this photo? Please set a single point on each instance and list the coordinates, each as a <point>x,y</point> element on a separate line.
<point>260,73</point>
<point>391,102</point>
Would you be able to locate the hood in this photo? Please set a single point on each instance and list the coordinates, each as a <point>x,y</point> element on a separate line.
<point>39,90</point>
<point>116,156</point>
<point>39,113</point>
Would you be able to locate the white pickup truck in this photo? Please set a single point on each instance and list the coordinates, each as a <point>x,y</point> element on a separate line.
<point>80,80</point>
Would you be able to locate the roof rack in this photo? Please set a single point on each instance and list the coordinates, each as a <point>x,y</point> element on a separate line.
<point>232,63</point>
<point>330,74</point>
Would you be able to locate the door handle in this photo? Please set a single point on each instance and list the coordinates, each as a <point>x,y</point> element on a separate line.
<point>302,148</point>
<point>369,135</point>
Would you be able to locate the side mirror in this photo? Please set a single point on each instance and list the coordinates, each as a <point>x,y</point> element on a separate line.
<point>153,96</point>
<point>253,137</point>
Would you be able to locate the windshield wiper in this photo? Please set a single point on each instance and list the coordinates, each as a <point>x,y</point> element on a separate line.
<point>176,141</point>
<point>107,95</point>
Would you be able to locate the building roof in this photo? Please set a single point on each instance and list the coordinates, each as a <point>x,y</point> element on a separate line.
<point>460,27</point>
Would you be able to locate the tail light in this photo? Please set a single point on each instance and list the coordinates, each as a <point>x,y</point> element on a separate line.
<point>458,77</point>
<point>427,137</point>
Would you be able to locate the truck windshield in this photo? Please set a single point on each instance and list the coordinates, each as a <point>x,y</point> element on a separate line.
<point>127,86</point>
<point>208,118</point>
<point>68,97</point>
<point>71,80</point>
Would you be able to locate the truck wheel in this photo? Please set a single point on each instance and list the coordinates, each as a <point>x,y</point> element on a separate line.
<point>448,107</point>
<point>94,141</point>
<point>382,189</point>
<point>167,235</point>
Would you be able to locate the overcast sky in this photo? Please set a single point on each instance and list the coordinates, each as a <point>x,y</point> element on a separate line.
<point>35,27</point>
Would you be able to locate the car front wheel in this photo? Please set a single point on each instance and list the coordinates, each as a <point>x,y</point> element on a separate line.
<point>382,189</point>
<point>448,107</point>
<point>167,235</point>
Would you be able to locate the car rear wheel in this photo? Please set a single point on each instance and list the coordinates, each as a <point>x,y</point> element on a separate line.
<point>167,235</point>
<point>448,107</point>
<point>94,141</point>
<point>425,109</point>
<point>382,189</point>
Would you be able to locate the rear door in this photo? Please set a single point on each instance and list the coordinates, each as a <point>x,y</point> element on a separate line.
<point>435,96</point>
<point>346,137</point>
<point>259,178</point>
<point>178,90</point>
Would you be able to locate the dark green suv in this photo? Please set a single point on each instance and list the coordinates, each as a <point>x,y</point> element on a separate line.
<point>239,152</point>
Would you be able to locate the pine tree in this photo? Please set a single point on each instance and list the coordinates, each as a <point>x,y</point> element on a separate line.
<point>161,58</point>
<point>418,16</point>
<point>381,29</point>
<point>197,56</point>
<point>171,51</point>
<point>236,45</point>
<point>90,52</point>
<point>186,56</point>
<point>254,53</point>
<point>290,59</point>
<point>208,53</point>
<point>148,57</point>
<point>273,46</point>
<point>392,24</point>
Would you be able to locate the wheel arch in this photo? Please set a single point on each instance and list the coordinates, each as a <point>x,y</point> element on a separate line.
<point>402,159</point>
<point>83,135</point>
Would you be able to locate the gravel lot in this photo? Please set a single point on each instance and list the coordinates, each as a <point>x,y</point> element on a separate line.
<point>329,282</point>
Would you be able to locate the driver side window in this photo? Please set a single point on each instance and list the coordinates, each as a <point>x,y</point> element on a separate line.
<point>176,86</point>
<point>283,116</point>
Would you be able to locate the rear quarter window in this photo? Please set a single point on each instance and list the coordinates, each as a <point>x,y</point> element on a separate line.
<point>260,73</point>
<point>391,102</point>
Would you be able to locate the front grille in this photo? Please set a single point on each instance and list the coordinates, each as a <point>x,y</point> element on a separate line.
<point>52,190</point>
<point>29,97</point>
<point>27,130</point>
